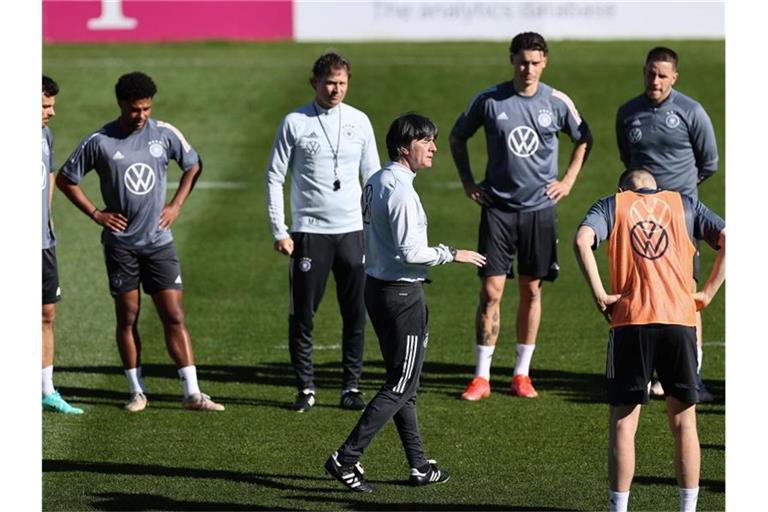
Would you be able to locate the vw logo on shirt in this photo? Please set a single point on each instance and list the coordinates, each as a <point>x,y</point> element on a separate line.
<point>649,235</point>
<point>523,141</point>
<point>139,179</point>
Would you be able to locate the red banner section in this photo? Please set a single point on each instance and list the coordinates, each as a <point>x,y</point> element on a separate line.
<point>88,21</point>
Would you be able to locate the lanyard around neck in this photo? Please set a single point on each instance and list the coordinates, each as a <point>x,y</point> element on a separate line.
<point>336,181</point>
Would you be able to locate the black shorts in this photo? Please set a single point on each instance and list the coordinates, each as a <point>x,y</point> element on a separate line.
<point>51,290</point>
<point>634,351</point>
<point>530,235</point>
<point>156,268</point>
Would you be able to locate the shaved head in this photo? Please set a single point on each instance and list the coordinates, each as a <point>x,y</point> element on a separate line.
<point>635,179</point>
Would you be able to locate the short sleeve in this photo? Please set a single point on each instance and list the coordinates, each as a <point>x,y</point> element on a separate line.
<point>82,160</point>
<point>600,217</point>
<point>571,121</point>
<point>472,118</point>
<point>177,146</point>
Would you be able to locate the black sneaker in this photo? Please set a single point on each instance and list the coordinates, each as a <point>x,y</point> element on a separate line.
<point>431,475</point>
<point>304,401</point>
<point>704,394</point>
<point>352,400</point>
<point>351,476</point>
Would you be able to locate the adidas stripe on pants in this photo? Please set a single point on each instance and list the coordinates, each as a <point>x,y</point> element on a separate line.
<point>399,314</point>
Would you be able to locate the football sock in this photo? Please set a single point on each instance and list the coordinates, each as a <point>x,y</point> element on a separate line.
<point>617,501</point>
<point>188,376</point>
<point>48,380</point>
<point>700,354</point>
<point>484,356</point>
<point>523,360</point>
<point>134,385</point>
<point>688,499</point>
<point>141,379</point>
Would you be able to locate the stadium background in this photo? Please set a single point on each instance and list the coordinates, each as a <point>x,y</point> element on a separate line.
<point>228,98</point>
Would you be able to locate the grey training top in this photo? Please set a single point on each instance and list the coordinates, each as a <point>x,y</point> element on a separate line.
<point>702,223</point>
<point>395,228</point>
<point>304,144</point>
<point>49,240</point>
<point>521,140</point>
<point>674,140</point>
<point>133,169</point>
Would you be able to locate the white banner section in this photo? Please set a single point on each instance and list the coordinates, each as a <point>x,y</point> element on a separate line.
<point>368,20</point>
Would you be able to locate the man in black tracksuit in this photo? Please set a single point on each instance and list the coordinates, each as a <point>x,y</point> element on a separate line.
<point>397,260</point>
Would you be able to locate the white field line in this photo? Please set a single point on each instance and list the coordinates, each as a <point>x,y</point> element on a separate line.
<point>337,346</point>
<point>260,62</point>
<point>214,185</point>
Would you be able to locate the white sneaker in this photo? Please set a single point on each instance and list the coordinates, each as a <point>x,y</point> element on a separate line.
<point>138,402</point>
<point>201,402</point>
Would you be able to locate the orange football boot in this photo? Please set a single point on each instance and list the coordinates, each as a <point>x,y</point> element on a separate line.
<point>477,389</point>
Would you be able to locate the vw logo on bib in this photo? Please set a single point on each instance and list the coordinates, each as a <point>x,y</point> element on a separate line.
<point>523,141</point>
<point>139,179</point>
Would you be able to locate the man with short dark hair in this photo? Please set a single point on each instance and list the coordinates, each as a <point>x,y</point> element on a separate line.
<point>52,400</point>
<point>131,156</point>
<point>671,135</point>
<point>521,119</point>
<point>652,309</point>
<point>326,146</point>
<point>397,260</point>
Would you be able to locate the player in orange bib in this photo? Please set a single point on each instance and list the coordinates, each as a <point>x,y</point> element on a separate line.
<point>652,311</point>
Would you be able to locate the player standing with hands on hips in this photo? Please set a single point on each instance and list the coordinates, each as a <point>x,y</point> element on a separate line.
<point>398,257</point>
<point>52,400</point>
<point>671,135</point>
<point>521,118</point>
<point>327,146</point>
<point>652,309</point>
<point>131,156</point>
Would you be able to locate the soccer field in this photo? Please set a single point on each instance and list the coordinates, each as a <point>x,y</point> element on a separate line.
<point>503,453</point>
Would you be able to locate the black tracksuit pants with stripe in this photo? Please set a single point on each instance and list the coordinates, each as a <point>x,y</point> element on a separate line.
<point>399,316</point>
<point>314,257</point>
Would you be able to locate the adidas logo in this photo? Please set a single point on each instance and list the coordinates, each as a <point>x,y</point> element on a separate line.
<point>636,122</point>
<point>502,116</point>
<point>312,135</point>
<point>118,155</point>
<point>178,279</point>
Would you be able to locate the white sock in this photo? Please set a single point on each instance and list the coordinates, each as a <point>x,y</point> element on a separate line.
<point>188,376</point>
<point>523,360</point>
<point>134,385</point>
<point>617,501</point>
<point>484,355</point>
<point>141,379</point>
<point>48,380</point>
<point>700,355</point>
<point>688,499</point>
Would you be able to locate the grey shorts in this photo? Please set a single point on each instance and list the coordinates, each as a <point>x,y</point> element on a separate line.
<point>635,351</point>
<point>51,290</point>
<point>532,236</point>
<point>156,268</point>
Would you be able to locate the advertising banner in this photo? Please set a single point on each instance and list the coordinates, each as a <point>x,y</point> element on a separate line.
<point>164,20</point>
<point>429,20</point>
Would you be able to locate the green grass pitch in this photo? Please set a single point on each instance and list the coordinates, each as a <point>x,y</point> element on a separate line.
<point>503,453</point>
